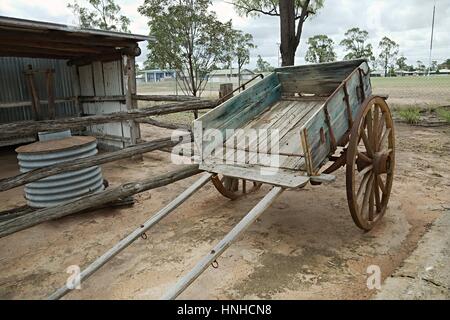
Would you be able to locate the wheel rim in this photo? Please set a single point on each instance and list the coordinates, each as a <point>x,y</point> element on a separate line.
<point>370,163</point>
<point>234,188</point>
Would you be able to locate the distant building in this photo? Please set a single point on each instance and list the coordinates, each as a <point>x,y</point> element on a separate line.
<point>377,73</point>
<point>443,72</point>
<point>230,75</point>
<point>157,75</point>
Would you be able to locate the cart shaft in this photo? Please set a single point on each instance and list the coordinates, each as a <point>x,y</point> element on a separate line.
<point>97,264</point>
<point>223,244</point>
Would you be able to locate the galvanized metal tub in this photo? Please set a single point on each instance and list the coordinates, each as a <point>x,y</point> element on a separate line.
<point>64,187</point>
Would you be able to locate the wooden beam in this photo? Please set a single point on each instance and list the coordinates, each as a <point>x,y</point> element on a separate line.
<point>96,199</point>
<point>35,104</point>
<point>129,88</point>
<point>31,127</point>
<point>77,164</point>
<point>41,45</point>
<point>61,37</point>
<point>50,94</point>
<point>172,126</point>
<point>165,98</point>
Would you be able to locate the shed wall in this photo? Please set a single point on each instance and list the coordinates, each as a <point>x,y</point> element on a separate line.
<point>105,79</point>
<point>14,89</point>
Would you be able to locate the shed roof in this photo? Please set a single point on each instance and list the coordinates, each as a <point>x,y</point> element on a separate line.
<point>37,39</point>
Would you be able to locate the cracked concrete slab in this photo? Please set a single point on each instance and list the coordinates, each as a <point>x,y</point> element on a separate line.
<point>426,273</point>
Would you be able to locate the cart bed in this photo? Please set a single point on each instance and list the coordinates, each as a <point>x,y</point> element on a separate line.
<point>304,107</point>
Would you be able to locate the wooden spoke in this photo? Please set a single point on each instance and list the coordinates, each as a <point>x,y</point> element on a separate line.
<point>380,126</point>
<point>363,186</point>
<point>376,117</point>
<point>371,203</point>
<point>366,143</point>
<point>365,170</point>
<point>364,157</point>
<point>367,194</point>
<point>368,184</point>
<point>377,193</point>
<point>384,138</point>
<point>381,185</point>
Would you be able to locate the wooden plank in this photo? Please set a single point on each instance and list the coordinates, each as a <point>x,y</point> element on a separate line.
<point>278,177</point>
<point>244,157</point>
<point>30,127</point>
<point>338,118</point>
<point>155,97</point>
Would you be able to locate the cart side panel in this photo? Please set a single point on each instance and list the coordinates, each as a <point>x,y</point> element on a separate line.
<point>318,137</point>
<point>319,79</point>
<point>235,113</point>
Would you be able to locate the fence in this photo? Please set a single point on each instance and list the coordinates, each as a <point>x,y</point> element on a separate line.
<point>404,91</point>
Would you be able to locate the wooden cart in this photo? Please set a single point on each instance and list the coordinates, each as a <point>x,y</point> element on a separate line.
<point>321,114</point>
<point>317,118</point>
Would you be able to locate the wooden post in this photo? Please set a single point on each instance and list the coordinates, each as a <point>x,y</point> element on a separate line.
<point>225,89</point>
<point>129,86</point>
<point>50,93</point>
<point>35,104</point>
<point>77,90</point>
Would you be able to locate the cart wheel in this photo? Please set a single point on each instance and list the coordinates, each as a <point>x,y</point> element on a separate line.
<point>233,188</point>
<point>370,163</point>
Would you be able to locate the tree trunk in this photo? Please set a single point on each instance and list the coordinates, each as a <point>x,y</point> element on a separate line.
<point>287,27</point>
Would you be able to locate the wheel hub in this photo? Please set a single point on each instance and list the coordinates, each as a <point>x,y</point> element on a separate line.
<point>381,162</point>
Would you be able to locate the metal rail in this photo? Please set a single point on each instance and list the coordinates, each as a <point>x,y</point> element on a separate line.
<point>97,264</point>
<point>223,244</point>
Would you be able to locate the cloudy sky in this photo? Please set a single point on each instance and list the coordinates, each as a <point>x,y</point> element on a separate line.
<point>408,22</point>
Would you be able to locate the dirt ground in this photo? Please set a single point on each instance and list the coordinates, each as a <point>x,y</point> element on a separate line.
<point>304,247</point>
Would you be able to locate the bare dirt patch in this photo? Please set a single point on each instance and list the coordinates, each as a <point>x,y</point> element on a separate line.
<point>305,246</point>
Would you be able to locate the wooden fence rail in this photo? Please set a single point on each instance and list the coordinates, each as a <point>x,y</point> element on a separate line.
<point>32,127</point>
<point>93,200</point>
<point>77,164</point>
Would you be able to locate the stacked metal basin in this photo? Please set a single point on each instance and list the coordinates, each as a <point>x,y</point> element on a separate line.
<point>52,149</point>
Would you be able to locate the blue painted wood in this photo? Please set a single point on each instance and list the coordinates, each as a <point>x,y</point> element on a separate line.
<point>236,112</point>
<point>319,151</point>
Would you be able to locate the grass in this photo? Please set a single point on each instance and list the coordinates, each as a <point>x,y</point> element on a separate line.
<point>410,115</point>
<point>443,114</point>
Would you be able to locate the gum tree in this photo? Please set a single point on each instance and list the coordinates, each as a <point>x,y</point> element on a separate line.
<point>189,39</point>
<point>388,54</point>
<point>101,14</point>
<point>292,13</point>
<point>320,49</point>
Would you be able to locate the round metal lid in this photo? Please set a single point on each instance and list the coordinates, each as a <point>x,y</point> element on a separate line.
<point>56,145</point>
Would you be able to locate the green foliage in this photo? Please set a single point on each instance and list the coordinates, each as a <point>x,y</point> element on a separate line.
<point>101,14</point>
<point>240,50</point>
<point>410,115</point>
<point>271,7</point>
<point>421,66</point>
<point>445,64</point>
<point>444,114</point>
<point>356,46</point>
<point>388,54</point>
<point>263,66</point>
<point>401,63</point>
<point>189,39</point>
<point>321,49</point>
